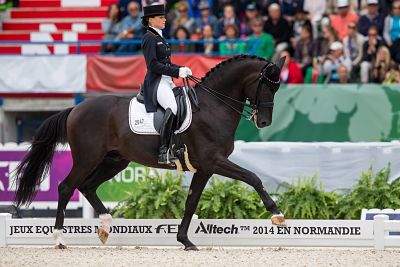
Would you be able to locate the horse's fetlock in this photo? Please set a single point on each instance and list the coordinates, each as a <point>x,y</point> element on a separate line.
<point>182,237</point>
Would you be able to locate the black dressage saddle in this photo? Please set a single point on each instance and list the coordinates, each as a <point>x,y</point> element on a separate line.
<point>159,115</point>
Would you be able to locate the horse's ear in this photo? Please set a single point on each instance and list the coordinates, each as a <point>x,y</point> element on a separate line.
<point>281,61</point>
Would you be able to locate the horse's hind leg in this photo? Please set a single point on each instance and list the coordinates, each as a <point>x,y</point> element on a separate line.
<point>66,188</point>
<point>105,171</point>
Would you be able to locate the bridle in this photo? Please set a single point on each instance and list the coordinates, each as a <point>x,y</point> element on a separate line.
<point>262,80</point>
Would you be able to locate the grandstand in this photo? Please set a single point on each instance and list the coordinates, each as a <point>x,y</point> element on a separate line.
<point>53,21</point>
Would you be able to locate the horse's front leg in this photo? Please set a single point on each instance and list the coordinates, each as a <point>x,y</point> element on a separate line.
<point>229,169</point>
<point>197,185</point>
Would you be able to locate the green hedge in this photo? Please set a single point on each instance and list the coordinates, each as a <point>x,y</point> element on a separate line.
<point>163,196</point>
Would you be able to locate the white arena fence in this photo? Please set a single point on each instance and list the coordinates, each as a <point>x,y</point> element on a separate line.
<point>207,232</point>
<point>382,229</point>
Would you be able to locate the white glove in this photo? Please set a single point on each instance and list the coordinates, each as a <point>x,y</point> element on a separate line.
<point>184,72</point>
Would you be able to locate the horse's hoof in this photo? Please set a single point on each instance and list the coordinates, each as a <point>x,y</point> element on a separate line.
<point>191,248</point>
<point>278,219</point>
<point>60,246</point>
<point>103,235</point>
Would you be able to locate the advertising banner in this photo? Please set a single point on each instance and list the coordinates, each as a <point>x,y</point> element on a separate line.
<point>48,190</point>
<point>114,190</point>
<point>118,188</point>
<point>202,231</point>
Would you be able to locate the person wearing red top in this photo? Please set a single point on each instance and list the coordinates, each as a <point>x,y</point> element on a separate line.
<point>290,73</point>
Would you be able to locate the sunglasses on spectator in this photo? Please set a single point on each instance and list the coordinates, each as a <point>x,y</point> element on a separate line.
<point>133,9</point>
<point>183,10</point>
<point>372,34</point>
<point>351,27</point>
<point>396,7</point>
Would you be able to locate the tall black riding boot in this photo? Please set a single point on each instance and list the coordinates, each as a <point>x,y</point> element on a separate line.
<point>165,133</point>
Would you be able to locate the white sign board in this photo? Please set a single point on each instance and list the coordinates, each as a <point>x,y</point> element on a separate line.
<point>202,232</point>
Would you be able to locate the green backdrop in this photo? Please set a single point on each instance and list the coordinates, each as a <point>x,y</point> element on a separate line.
<point>337,113</point>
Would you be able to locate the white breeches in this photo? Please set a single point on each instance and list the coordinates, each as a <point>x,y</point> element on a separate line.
<point>165,96</point>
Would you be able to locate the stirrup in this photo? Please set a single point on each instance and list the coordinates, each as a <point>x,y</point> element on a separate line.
<point>166,158</point>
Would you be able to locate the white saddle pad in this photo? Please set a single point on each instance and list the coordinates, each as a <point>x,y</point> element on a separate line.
<point>142,122</point>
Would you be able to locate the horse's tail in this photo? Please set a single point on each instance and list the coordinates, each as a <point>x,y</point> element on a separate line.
<point>29,172</point>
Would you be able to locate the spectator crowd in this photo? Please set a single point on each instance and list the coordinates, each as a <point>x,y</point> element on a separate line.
<point>324,41</point>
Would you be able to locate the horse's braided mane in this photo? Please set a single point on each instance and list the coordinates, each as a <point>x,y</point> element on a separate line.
<point>235,58</point>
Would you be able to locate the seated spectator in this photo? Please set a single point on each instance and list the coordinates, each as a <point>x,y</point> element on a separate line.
<point>332,6</point>
<point>332,61</point>
<point>391,30</point>
<point>250,14</point>
<point>260,43</point>
<point>209,46</point>
<point>304,49</point>
<point>343,74</point>
<point>238,6</point>
<point>228,18</point>
<point>341,21</point>
<point>373,17</point>
<point>289,7</point>
<point>231,45</point>
<point>194,7</point>
<point>290,73</point>
<point>393,76</point>
<point>327,38</point>
<point>182,34</point>
<point>278,27</point>
<point>385,5</point>
<point>370,49</point>
<point>123,6</point>
<point>132,29</point>
<point>300,20</point>
<point>353,47</point>
<point>395,50</point>
<point>183,19</point>
<point>111,27</point>
<point>316,10</point>
<point>207,18</point>
<point>381,65</point>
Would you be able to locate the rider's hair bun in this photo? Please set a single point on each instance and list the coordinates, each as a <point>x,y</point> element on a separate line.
<point>145,22</point>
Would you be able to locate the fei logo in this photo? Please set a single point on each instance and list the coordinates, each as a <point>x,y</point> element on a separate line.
<point>7,177</point>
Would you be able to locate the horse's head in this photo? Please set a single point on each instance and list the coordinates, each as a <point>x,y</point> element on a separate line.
<point>264,92</point>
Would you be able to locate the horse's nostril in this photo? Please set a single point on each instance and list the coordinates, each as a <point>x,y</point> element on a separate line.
<point>263,124</point>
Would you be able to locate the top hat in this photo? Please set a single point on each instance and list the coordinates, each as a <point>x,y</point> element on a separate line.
<point>154,10</point>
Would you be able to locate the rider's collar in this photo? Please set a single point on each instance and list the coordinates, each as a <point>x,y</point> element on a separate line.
<point>155,30</point>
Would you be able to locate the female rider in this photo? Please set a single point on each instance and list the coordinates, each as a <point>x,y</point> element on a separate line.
<point>158,84</point>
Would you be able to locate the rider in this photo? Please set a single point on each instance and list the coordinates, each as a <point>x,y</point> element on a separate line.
<point>158,84</point>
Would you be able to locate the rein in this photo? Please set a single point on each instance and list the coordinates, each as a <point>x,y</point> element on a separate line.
<point>254,107</point>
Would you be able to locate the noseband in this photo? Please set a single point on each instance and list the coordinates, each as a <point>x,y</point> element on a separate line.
<point>262,80</point>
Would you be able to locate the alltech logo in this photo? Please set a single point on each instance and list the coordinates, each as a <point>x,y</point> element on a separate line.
<point>215,229</point>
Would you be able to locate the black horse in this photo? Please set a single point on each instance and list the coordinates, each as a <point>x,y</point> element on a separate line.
<point>102,143</point>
